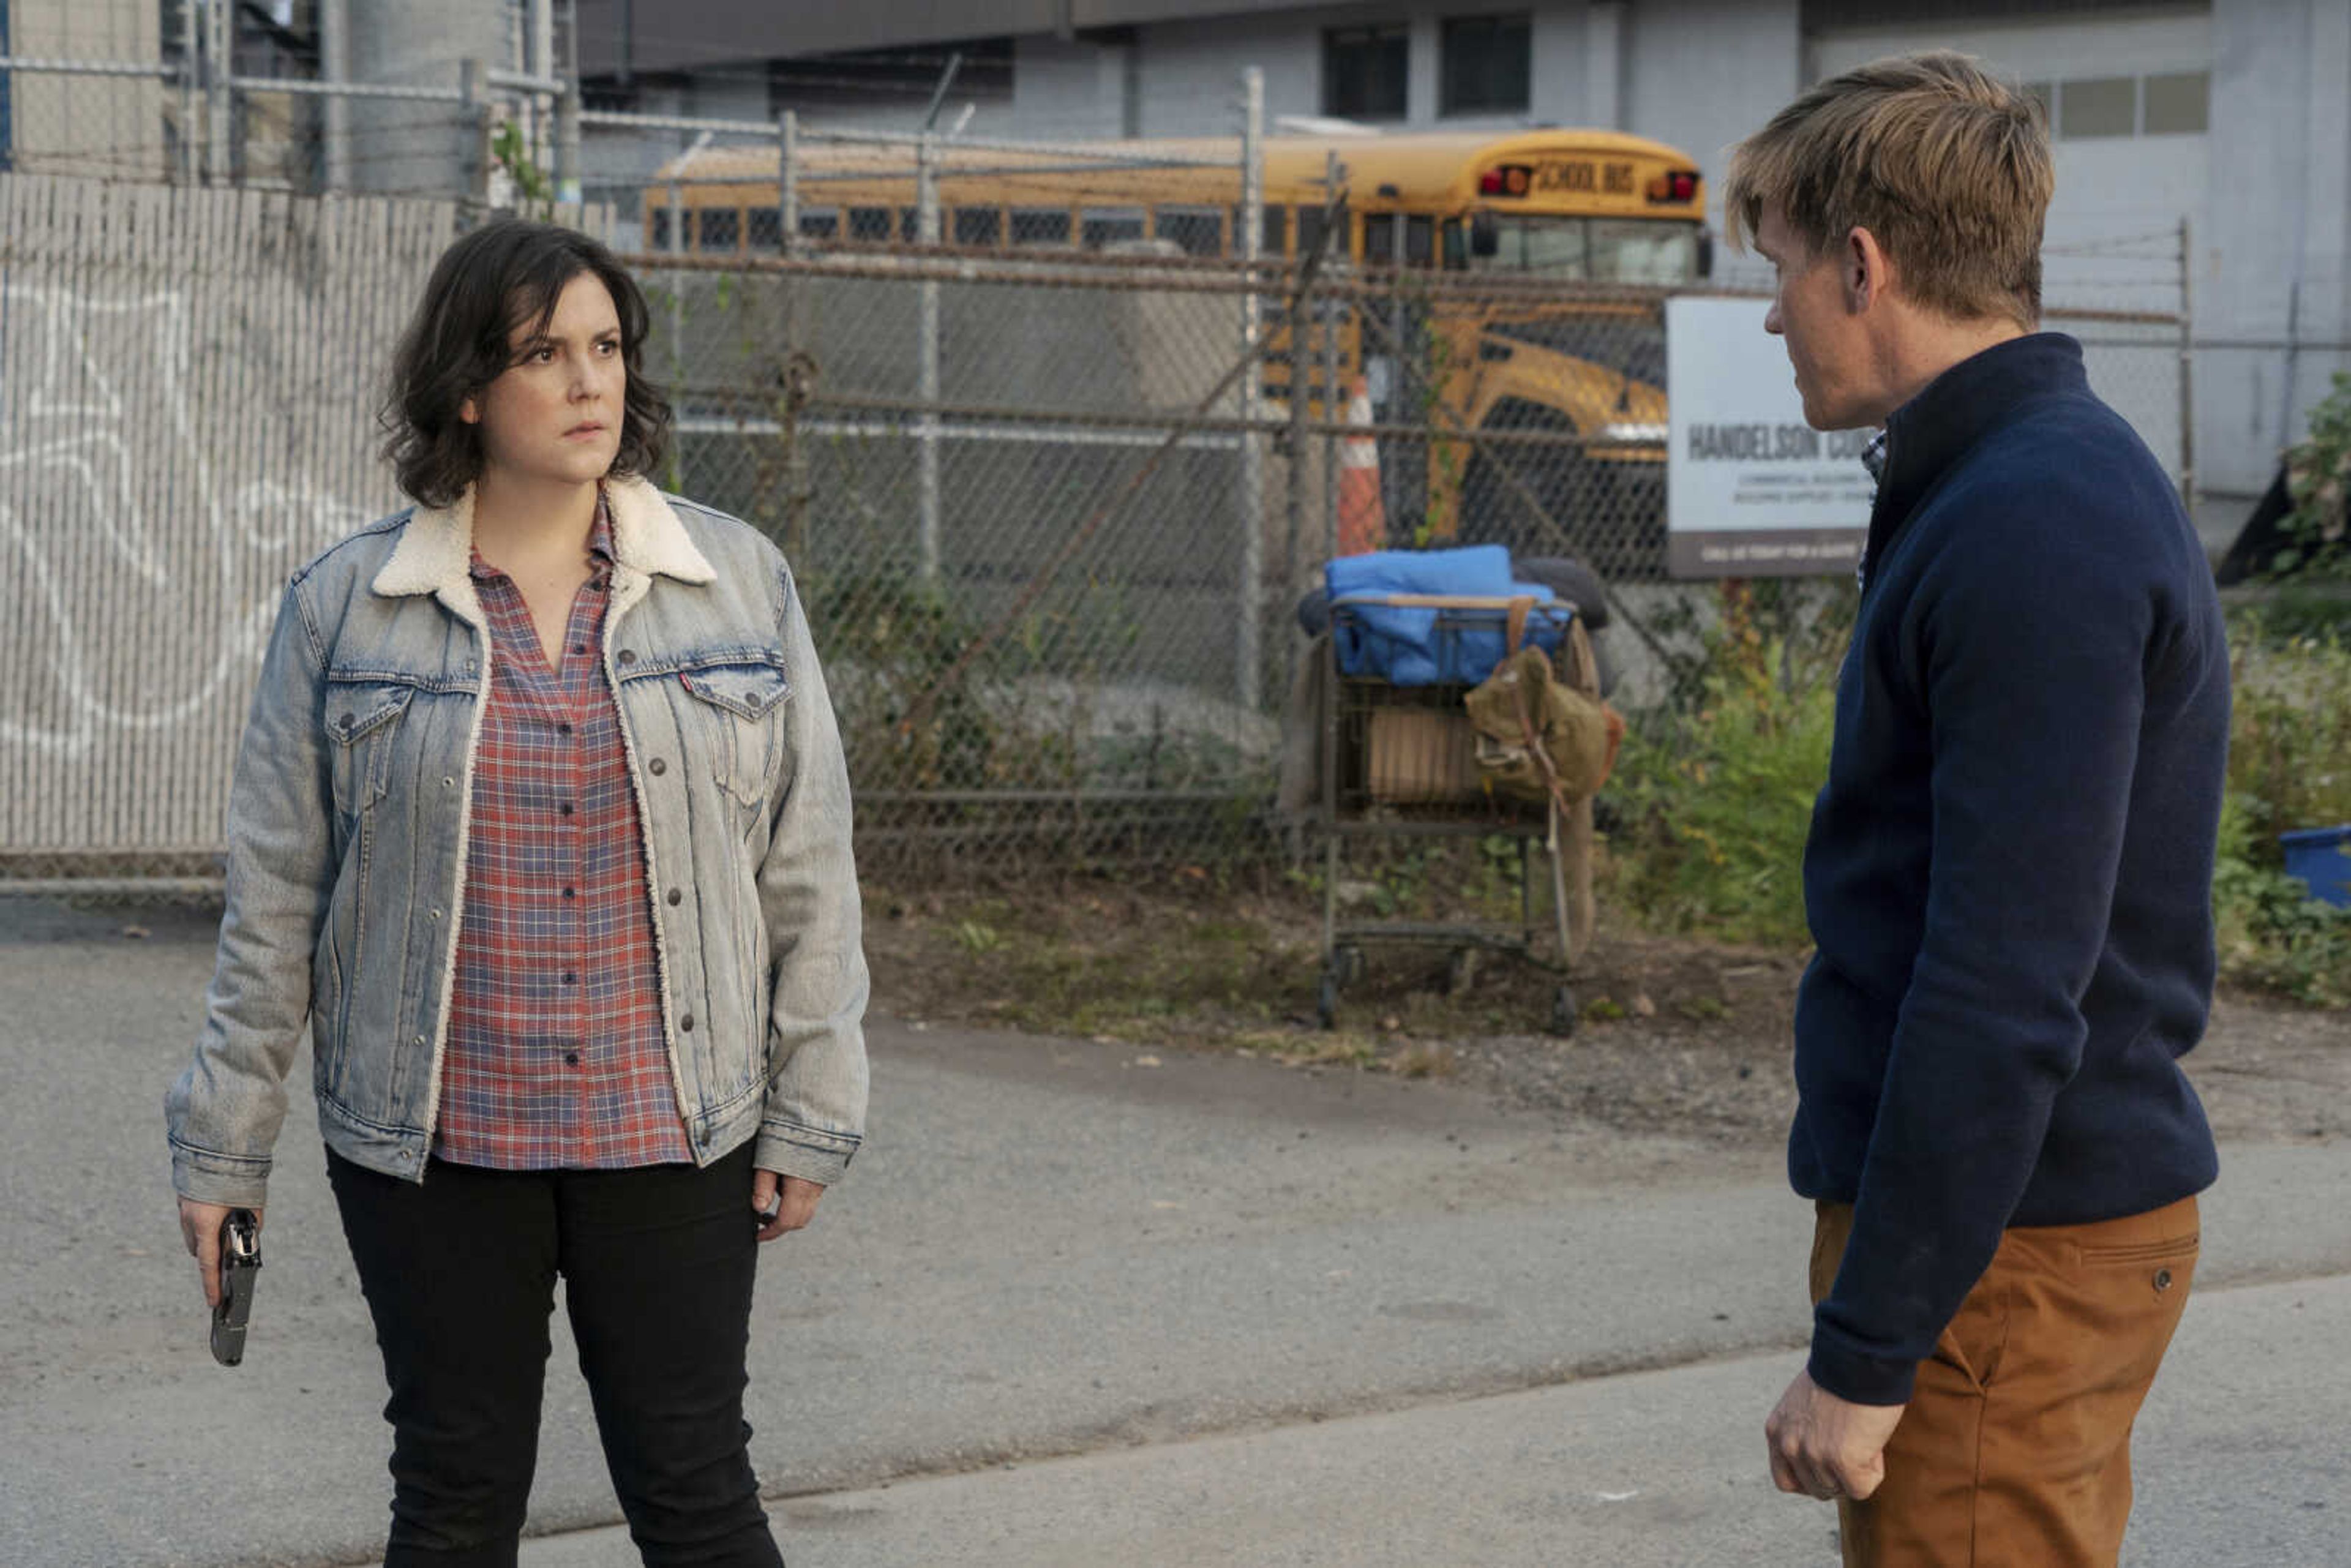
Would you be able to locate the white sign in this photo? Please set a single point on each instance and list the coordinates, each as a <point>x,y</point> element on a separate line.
<point>1751,489</point>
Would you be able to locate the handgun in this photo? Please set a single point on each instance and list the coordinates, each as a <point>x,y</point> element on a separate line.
<point>240,1260</point>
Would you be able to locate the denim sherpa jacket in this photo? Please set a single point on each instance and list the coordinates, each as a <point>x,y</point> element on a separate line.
<point>347,833</point>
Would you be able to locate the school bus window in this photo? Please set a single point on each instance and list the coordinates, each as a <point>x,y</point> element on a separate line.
<point>1419,240</point>
<point>1277,231</point>
<point>1198,231</point>
<point>722,228</point>
<point>870,226</point>
<point>825,224</point>
<point>1041,225</point>
<point>910,223</point>
<point>1379,240</point>
<point>1457,245</point>
<point>657,229</point>
<point>763,227</point>
<point>1310,230</point>
<point>1108,227</point>
<point>979,227</point>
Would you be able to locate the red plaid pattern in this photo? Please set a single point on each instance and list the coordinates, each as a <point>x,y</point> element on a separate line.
<point>555,1056</point>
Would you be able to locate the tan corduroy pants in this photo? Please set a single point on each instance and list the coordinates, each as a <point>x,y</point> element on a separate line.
<point>2014,1451</point>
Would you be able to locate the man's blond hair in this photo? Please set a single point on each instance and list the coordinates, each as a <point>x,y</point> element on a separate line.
<point>1946,166</point>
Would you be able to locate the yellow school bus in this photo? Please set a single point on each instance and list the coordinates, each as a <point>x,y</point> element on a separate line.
<point>1578,208</point>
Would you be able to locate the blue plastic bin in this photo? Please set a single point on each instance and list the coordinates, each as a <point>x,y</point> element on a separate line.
<point>2322,858</point>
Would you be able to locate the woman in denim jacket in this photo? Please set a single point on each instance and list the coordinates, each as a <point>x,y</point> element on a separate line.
<point>540,826</point>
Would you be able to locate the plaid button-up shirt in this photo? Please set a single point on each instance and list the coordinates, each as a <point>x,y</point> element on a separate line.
<point>555,1054</point>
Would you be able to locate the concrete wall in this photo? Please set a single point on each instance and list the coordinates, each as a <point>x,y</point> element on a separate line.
<point>1701,74</point>
<point>2271,253</point>
<point>106,127</point>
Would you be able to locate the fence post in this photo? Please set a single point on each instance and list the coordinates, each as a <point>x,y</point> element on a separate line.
<point>1302,379</point>
<point>1337,250</point>
<point>1249,653</point>
<point>474,127</point>
<point>926,232</point>
<point>676,246</point>
<point>218,63</point>
<point>335,111</point>
<point>788,185</point>
<point>2187,371</point>
<point>191,69</point>
<point>568,188</point>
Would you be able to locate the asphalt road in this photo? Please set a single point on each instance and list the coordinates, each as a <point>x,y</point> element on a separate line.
<point>1207,1311</point>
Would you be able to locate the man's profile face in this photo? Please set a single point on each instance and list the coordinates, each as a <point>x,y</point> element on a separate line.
<point>1811,315</point>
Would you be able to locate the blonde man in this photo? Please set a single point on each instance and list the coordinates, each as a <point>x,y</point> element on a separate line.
<point>2010,869</point>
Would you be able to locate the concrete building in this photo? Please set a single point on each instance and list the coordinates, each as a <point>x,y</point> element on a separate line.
<point>2233,117</point>
<point>105,127</point>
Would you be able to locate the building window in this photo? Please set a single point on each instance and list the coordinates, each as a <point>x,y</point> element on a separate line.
<point>1485,66</point>
<point>1364,72</point>
<point>2097,106</point>
<point>2169,103</point>
<point>2179,104</point>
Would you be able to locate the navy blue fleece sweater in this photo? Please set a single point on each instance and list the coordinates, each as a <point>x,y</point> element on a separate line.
<point>2010,870</point>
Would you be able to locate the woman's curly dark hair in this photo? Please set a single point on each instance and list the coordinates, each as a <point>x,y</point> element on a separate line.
<point>504,275</point>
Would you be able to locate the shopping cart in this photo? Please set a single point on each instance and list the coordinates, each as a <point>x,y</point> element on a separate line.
<point>1399,761</point>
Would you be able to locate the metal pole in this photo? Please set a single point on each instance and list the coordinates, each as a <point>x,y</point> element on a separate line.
<point>1335,245</point>
<point>927,231</point>
<point>2186,372</point>
<point>545,114</point>
<point>192,66</point>
<point>335,113</point>
<point>1247,676</point>
<point>474,127</point>
<point>219,66</point>
<point>567,188</point>
<point>788,185</point>
<point>676,246</point>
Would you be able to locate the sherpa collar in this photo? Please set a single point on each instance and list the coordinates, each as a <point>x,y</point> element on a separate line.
<point>436,547</point>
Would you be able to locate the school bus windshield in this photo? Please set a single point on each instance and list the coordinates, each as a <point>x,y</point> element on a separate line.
<point>1595,250</point>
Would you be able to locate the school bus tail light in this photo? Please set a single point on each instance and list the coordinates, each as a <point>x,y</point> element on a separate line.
<point>1505,179</point>
<point>1674,185</point>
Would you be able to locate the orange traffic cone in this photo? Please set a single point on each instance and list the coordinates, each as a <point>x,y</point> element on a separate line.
<point>1363,519</point>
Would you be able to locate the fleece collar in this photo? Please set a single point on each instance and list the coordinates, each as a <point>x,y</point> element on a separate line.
<point>436,547</point>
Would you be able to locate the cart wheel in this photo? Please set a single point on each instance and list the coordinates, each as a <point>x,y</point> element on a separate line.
<point>1326,997</point>
<point>1460,970</point>
<point>1350,965</point>
<point>1562,1012</point>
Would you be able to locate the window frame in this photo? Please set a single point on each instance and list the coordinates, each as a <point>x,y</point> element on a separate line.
<point>1367,36</point>
<point>1492,29</point>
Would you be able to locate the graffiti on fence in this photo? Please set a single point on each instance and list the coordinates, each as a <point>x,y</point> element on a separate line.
<point>144,579</point>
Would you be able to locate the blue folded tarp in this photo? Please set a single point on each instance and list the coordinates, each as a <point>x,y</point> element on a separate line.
<point>1420,646</point>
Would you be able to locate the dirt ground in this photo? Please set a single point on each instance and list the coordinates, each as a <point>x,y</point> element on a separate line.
<point>1673,1036</point>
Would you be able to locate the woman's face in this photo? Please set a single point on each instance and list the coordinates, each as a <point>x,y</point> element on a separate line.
<point>554,413</point>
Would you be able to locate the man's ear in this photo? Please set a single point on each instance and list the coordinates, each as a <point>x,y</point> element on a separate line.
<point>1867,272</point>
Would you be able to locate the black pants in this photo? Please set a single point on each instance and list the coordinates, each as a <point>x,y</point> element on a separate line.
<point>657,1264</point>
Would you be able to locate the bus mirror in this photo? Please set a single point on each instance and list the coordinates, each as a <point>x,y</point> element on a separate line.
<point>1705,253</point>
<point>1485,235</point>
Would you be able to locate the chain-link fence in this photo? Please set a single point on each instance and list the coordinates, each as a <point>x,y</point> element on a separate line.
<point>1057,468</point>
<point>1056,561</point>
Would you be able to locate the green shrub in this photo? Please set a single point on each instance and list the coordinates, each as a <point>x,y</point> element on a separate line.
<point>1714,801</point>
<point>2289,768</point>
